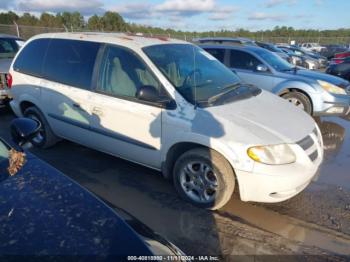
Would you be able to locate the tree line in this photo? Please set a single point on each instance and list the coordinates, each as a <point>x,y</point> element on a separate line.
<point>112,21</point>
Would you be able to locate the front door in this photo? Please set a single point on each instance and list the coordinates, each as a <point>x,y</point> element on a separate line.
<point>245,64</point>
<point>126,126</point>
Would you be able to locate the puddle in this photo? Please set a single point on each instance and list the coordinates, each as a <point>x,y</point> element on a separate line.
<point>290,228</point>
<point>335,169</point>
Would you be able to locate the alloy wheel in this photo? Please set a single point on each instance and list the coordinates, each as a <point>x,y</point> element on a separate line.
<point>199,182</point>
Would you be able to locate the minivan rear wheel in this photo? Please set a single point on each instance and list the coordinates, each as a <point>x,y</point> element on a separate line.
<point>45,137</point>
<point>204,178</point>
<point>300,100</point>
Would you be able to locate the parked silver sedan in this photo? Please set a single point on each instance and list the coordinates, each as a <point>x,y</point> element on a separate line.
<point>314,92</point>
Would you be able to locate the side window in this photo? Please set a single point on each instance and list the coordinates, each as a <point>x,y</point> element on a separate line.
<point>219,54</point>
<point>122,73</point>
<point>71,62</point>
<point>4,152</point>
<point>243,60</point>
<point>30,59</point>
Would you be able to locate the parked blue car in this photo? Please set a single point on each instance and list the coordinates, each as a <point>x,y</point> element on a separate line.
<point>44,213</point>
<point>314,92</point>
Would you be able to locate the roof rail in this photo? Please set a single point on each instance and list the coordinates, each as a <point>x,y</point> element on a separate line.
<point>225,40</point>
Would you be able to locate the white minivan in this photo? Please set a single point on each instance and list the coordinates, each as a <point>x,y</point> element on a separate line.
<point>168,105</point>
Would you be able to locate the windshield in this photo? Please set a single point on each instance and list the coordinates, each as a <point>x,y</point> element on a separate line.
<point>274,60</point>
<point>196,74</point>
<point>298,51</point>
<point>8,48</point>
<point>273,48</point>
<point>250,43</point>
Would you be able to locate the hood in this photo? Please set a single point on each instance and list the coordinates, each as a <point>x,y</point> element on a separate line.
<point>5,65</point>
<point>59,217</point>
<point>261,120</point>
<point>322,76</point>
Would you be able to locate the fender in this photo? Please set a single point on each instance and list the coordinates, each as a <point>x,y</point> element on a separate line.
<point>24,97</point>
<point>234,157</point>
<point>313,92</point>
<point>296,84</point>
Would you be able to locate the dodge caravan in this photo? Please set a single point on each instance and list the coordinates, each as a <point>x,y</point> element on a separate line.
<point>168,105</point>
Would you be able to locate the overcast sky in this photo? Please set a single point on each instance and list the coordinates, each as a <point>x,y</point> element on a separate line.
<point>204,15</point>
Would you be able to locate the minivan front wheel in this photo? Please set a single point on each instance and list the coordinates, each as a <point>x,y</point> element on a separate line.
<point>45,138</point>
<point>300,100</point>
<point>204,178</point>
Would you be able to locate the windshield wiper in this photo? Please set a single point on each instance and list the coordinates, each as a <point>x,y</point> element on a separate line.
<point>225,90</point>
<point>290,69</point>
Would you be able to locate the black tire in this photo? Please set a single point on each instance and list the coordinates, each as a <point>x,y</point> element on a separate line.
<point>221,168</point>
<point>48,137</point>
<point>302,99</point>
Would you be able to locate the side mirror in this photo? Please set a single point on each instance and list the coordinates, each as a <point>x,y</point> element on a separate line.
<point>23,130</point>
<point>148,93</point>
<point>151,94</point>
<point>262,68</point>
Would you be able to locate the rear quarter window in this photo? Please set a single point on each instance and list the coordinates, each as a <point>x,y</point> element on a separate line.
<point>71,62</point>
<point>31,58</point>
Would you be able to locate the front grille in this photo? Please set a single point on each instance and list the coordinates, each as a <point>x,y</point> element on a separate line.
<point>314,156</point>
<point>308,144</point>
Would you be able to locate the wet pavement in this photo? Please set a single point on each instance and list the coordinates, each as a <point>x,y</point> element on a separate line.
<point>315,222</point>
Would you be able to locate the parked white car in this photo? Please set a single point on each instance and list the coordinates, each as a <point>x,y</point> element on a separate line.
<point>171,106</point>
<point>313,47</point>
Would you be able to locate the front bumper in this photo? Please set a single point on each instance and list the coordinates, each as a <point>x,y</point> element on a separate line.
<point>273,188</point>
<point>276,183</point>
<point>329,104</point>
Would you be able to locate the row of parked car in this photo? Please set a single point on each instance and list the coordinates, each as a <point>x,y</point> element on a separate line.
<point>314,92</point>
<point>207,117</point>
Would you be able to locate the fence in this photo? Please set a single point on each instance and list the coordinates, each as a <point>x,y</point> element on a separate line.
<point>26,32</point>
<point>29,31</point>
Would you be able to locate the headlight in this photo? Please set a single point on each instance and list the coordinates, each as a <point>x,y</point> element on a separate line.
<point>272,155</point>
<point>331,88</point>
